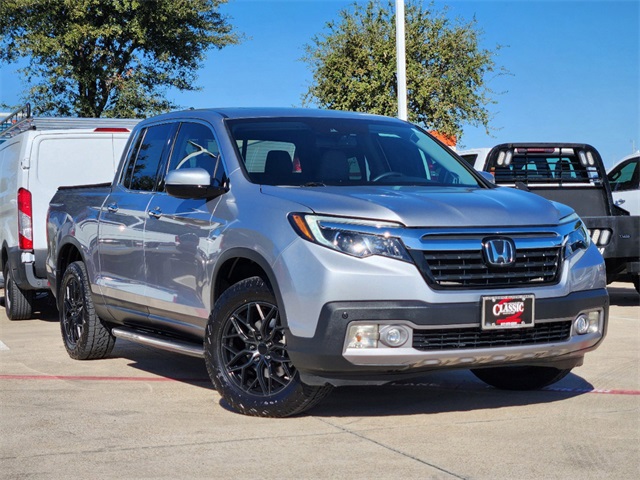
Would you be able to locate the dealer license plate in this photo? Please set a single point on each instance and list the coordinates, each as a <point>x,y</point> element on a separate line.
<point>508,311</point>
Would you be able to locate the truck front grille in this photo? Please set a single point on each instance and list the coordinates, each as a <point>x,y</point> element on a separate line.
<point>471,338</point>
<point>465,269</point>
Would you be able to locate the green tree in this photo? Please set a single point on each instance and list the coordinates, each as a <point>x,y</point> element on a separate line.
<point>354,66</point>
<point>113,58</point>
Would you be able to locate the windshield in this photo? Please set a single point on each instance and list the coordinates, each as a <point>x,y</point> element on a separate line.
<point>338,151</point>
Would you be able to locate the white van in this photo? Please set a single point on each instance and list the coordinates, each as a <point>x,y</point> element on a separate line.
<point>36,157</point>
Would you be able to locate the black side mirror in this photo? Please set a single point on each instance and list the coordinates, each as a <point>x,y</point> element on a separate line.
<point>192,183</point>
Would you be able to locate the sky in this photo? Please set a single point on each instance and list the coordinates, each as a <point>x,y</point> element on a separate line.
<point>574,67</point>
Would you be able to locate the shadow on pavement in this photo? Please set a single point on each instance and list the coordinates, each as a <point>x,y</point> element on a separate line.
<point>438,392</point>
<point>44,307</point>
<point>623,295</point>
<point>178,367</point>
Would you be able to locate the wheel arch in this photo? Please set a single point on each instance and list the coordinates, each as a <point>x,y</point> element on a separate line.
<point>238,264</point>
<point>69,252</point>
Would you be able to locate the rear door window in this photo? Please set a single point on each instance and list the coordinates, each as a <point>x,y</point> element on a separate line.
<point>141,172</point>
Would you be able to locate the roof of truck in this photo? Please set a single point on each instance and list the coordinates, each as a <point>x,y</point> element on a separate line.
<point>267,112</point>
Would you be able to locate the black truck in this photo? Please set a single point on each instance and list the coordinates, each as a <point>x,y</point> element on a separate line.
<point>573,174</point>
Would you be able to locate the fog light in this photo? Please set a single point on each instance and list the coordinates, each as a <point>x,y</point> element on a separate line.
<point>394,335</point>
<point>582,324</point>
<point>363,336</point>
<point>587,323</point>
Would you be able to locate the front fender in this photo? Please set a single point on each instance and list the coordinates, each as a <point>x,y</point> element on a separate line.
<point>255,257</point>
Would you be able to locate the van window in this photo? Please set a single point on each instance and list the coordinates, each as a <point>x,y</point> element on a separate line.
<point>75,153</point>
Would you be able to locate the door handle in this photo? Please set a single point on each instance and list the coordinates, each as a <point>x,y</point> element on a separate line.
<point>619,202</point>
<point>155,213</point>
<point>112,207</point>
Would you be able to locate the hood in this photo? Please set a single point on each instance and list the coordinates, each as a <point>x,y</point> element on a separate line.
<point>428,207</point>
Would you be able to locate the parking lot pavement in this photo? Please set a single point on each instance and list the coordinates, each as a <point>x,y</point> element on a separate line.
<point>143,413</point>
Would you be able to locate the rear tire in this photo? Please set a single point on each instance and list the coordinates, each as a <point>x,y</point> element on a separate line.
<point>85,336</point>
<point>246,355</point>
<point>520,378</point>
<point>17,302</point>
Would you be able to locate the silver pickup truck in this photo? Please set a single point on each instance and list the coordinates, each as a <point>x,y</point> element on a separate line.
<point>296,250</point>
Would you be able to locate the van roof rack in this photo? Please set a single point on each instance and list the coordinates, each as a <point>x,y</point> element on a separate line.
<point>21,121</point>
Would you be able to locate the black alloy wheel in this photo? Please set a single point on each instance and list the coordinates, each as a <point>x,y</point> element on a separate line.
<point>85,336</point>
<point>245,349</point>
<point>254,350</point>
<point>73,310</point>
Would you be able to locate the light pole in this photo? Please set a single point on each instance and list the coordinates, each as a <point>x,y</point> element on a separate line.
<point>401,67</point>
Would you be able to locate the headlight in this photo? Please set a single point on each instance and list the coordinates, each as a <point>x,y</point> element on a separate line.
<point>359,238</point>
<point>577,240</point>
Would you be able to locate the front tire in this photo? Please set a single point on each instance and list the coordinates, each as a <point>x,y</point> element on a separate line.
<point>520,378</point>
<point>85,336</point>
<point>17,302</point>
<point>246,355</point>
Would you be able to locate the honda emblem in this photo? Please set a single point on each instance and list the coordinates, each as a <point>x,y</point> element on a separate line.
<point>499,252</point>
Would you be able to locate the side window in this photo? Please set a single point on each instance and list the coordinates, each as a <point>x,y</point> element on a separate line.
<point>195,147</point>
<point>142,170</point>
<point>623,178</point>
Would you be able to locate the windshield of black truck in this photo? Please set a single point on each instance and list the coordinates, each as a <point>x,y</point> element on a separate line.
<point>328,151</point>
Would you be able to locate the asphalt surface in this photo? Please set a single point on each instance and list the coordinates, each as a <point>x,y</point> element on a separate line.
<point>144,413</point>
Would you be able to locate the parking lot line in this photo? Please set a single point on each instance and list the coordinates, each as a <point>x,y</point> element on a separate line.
<point>443,386</point>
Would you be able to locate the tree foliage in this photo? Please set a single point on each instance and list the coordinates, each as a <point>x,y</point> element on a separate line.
<point>354,66</point>
<point>112,58</point>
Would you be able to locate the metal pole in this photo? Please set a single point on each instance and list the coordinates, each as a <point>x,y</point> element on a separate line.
<point>401,61</point>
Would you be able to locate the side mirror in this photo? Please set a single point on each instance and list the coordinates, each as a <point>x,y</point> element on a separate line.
<point>488,176</point>
<point>192,183</point>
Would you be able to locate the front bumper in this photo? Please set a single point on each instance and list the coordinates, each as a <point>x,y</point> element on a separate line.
<point>325,357</point>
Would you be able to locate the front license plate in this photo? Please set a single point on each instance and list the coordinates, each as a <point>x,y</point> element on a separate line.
<point>508,311</point>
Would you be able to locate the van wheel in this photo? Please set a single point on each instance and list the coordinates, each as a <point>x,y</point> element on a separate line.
<point>246,355</point>
<point>85,336</point>
<point>520,378</point>
<point>17,302</point>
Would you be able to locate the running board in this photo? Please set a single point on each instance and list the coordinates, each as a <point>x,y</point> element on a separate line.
<point>157,341</point>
